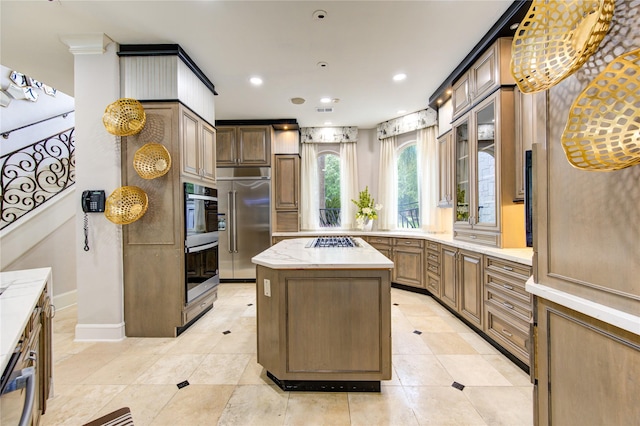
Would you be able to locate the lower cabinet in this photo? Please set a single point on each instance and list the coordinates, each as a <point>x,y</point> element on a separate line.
<point>462,283</point>
<point>408,257</point>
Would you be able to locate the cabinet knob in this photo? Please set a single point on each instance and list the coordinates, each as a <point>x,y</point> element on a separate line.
<point>507,333</point>
<point>507,268</point>
<point>508,305</point>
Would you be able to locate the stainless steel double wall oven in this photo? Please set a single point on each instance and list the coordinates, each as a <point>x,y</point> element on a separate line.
<point>201,243</point>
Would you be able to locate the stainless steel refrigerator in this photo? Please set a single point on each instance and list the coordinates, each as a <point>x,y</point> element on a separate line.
<point>244,219</point>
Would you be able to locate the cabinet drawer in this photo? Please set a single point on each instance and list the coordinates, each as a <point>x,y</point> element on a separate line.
<point>433,257</point>
<point>434,268</point>
<point>513,287</point>
<point>409,242</point>
<point>512,269</point>
<point>379,241</point>
<point>509,332</point>
<point>494,297</point>
<point>431,245</point>
<point>196,308</point>
<point>476,237</point>
<point>433,284</point>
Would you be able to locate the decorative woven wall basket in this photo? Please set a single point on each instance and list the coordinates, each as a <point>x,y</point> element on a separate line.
<point>124,117</point>
<point>126,205</point>
<point>555,39</point>
<point>603,129</point>
<point>151,161</point>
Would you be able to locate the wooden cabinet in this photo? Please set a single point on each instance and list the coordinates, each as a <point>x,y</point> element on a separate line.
<point>445,170</point>
<point>382,244</point>
<point>530,119</point>
<point>488,73</point>
<point>154,267</point>
<point>197,147</point>
<point>462,283</point>
<point>244,146</point>
<point>408,259</point>
<point>485,212</point>
<point>433,268</point>
<point>45,360</point>
<point>286,192</point>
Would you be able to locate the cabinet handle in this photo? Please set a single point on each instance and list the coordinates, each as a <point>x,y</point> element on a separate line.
<point>203,305</point>
<point>507,333</point>
<point>508,287</point>
<point>433,268</point>
<point>53,310</point>
<point>407,242</point>
<point>473,237</point>
<point>507,268</point>
<point>508,305</point>
<point>431,256</point>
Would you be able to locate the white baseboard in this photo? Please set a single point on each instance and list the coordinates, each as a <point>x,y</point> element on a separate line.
<point>65,300</point>
<point>100,332</point>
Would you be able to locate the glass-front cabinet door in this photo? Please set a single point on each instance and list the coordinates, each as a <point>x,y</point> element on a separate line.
<point>485,171</point>
<point>462,172</point>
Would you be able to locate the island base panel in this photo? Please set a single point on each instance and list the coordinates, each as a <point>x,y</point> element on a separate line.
<point>325,385</point>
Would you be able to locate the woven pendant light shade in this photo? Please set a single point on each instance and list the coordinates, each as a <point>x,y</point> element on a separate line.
<point>124,117</point>
<point>126,205</point>
<point>555,39</point>
<point>603,129</point>
<point>151,161</point>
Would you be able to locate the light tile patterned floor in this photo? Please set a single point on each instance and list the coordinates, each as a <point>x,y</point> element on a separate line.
<point>228,387</point>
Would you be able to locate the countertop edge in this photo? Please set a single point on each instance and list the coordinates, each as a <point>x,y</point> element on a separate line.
<point>595,310</point>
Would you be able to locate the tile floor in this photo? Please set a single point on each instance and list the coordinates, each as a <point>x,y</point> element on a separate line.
<point>228,387</point>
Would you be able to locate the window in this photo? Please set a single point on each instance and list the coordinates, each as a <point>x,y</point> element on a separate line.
<point>408,190</point>
<point>329,193</point>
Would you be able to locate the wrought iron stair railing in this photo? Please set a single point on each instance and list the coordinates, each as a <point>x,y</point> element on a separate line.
<point>34,174</point>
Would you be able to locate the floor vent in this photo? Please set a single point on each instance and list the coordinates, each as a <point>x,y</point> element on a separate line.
<point>324,109</point>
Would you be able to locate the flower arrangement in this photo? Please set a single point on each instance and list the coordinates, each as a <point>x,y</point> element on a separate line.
<point>367,208</point>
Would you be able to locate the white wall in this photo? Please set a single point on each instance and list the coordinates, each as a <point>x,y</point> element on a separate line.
<point>368,148</point>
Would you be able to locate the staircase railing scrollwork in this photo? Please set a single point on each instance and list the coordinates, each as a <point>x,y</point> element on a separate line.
<point>34,174</point>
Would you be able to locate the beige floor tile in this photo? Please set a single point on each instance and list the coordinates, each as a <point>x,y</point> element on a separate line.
<point>151,345</point>
<point>416,309</point>
<point>442,406</point>
<point>64,344</point>
<point>76,368</point>
<point>407,297</point>
<point>508,369</point>
<point>110,347</point>
<point>254,374</point>
<point>448,343</point>
<point>220,369</point>
<point>195,405</point>
<point>506,406</point>
<point>323,408</point>
<point>395,380</point>
<point>457,325</point>
<point>408,343</point>
<point>421,370</point>
<point>479,344</point>
<point>260,405</point>
<point>389,407</point>
<point>144,401</point>
<point>122,370</point>
<point>237,342</point>
<point>170,369</point>
<point>472,370</point>
<point>78,404</point>
<point>430,324</point>
<point>195,343</point>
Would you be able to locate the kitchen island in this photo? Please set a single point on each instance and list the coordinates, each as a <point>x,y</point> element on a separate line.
<point>324,315</point>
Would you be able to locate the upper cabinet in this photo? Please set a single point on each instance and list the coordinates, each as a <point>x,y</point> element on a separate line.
<point>445,164</point>
<point>485,212</point>
<point>244,146</point>
<point>488,73</point>
<point>198,147</point>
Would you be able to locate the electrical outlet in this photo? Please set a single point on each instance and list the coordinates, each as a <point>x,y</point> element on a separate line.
<point>267,287</point>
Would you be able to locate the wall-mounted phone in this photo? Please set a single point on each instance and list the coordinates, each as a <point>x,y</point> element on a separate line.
<point>92,202</point>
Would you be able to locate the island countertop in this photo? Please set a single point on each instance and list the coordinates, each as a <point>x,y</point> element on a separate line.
<point>294,254</point>
<point>17,302</point>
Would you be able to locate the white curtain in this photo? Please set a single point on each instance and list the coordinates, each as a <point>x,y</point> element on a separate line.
<point>428,178</point>
<point>348,184</point>
<point>310,218</point>
<point>388,185</point>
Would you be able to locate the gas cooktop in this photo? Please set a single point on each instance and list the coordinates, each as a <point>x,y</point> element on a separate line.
<point>333,242</point>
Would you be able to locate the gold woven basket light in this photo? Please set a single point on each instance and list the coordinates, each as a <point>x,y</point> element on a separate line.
<point>555,39</point>
<point>124,117</point>
<point>151,161</point>
<point>126,205</point>
<point>603,129</point>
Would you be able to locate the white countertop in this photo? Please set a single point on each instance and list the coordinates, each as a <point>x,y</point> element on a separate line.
<point>16,306</point>
<point>520,255</point>
<point>595,310</point>
<point>292,254</point>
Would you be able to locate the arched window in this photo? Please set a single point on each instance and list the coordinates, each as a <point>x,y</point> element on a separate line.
<point>329,189</point>
<point>408,186</point>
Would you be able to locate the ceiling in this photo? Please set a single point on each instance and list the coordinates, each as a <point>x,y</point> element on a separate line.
<point>363,43</point>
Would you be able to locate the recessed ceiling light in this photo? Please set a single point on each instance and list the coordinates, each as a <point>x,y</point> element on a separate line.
<point>399,77</point>
<point>514,26</point>
<point>325,100</point>
<point>439,101</point>
<point>256,81</point>
<point>449,91</point>
<point>297,101</point>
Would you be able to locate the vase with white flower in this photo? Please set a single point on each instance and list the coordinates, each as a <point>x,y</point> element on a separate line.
<point>367,210</point>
